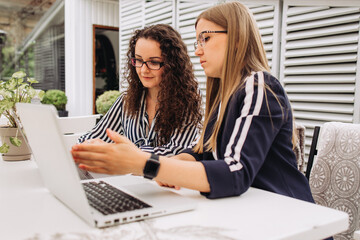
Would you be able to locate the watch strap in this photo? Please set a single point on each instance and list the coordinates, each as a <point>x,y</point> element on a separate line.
<point>152,166</point>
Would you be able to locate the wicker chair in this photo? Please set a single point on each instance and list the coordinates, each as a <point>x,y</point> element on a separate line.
<point>335,174</point>
<point>299,148</point>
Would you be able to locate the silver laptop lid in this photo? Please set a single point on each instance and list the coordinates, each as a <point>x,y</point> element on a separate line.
<point>56,165</point>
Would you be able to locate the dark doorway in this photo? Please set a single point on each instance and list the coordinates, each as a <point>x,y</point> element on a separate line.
<point>105,61</point>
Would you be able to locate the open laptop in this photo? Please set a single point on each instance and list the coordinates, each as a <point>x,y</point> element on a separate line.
<point>142,199</point>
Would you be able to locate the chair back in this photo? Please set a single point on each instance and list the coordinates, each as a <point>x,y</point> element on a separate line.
<point>299,148</point>
<point>74,127</point>
<point>313,151</point>
<point>335,175</point>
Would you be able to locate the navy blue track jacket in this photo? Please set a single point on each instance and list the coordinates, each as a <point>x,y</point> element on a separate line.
<point>254,145</point>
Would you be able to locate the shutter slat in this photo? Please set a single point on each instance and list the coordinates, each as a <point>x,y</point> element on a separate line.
<point>264,16</point>
<point>324,22</point>
<point>165,18</point>
<point>265,23</point>
<point>323,107</point>
<point>321,69</point>
<point>128,12</point>
<point>266,31</point>
<point>321,60</point>
<point>132,18</point>
<point>160,12</point>
<point>260,9</point>
<point>346,28</point>
<point>267,39</point>
<point>156,5</point>
<point>332,12</point>
<point>322,51</point>
<point>293,11</point>
<point>185,23</point>
<point>186,30</point>
<point>323,41</point>
<point>191,7</point>
<point>320,88</point>
<point>326,117</point>
<point>326,98</point>
<point>320,79</point>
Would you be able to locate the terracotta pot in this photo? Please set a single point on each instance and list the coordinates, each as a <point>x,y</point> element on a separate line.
<point>15,153</point>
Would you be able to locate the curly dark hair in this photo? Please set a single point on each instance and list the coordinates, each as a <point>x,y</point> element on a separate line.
<point>179,99</point>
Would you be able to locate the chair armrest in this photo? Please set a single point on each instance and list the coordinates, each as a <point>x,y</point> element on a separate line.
<point>79,124</point>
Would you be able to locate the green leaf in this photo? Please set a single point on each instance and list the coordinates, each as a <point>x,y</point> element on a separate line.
<point>11,84</point>
<point>32,80</point>
<point>31,93</point>
<point>15,141</point>
<point>41,94</point>
<point>19,80</point>
<point>6,105</point>
<point>5,93</point>
<point>4,148</point>
<point>19,74</point>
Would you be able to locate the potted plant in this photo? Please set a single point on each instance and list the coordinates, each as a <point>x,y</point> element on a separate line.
<point>106,100</point>
<point>17,89</point>
<point>58,99</point>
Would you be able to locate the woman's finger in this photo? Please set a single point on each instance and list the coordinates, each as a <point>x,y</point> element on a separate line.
<point>161,184</point>
<point>116,137</point>
<point>94,169</point>
<point>93,163</point>
<point>90,158</point>
<point>87,155</point>
<point>92,141</point>
<point>92,147</point>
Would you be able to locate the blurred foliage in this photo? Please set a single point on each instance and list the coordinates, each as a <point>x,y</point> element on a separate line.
<point>106,100</point>
<point>8,61</point>
<point>55,97</point>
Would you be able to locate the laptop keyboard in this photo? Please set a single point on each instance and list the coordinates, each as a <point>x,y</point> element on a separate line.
<point>108,199</point>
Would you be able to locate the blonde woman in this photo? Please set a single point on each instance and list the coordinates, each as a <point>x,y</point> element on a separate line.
<point>246,140</point>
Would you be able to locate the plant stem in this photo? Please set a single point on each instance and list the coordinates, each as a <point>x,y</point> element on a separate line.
<point>11,119</point>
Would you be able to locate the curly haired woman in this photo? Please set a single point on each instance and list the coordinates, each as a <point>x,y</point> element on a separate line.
<point>161,110</point>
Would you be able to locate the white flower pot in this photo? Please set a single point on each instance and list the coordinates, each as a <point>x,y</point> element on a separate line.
<point>15,153</point>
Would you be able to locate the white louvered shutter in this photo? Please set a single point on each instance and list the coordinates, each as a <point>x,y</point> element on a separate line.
<point>136,14</point>
<point>187,12</point>
<point>319,63</point>
<point>131,18</point>
<point>159,11</point>
<point>267,16</point>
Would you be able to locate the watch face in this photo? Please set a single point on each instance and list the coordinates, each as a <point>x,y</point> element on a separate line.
<point>151,168</point>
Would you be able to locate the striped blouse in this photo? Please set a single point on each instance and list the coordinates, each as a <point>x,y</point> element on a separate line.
<point>137,129</point>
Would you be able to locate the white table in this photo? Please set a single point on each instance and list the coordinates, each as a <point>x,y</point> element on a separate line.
<point>29,211</point>
<point>357,235</point>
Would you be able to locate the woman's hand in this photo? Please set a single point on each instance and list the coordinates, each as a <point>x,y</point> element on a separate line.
<point>94,140</point>
<point>120,157</point>
<point>162,184</point>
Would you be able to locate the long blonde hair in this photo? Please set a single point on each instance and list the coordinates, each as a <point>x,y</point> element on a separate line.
<point>244,53</point>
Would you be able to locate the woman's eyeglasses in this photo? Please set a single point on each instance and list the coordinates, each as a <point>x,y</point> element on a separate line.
<point>202,40</point>
<point>153,65</point>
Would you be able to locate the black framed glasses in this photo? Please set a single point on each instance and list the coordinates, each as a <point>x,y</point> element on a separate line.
<point>202,40</point>
<point>153,65</point>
